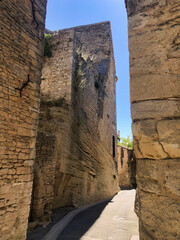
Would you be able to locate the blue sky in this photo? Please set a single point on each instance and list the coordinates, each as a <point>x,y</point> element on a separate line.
<point>69,13</point>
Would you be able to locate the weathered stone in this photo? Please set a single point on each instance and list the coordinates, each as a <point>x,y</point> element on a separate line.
<point>76,162</point>
<point>20,43</point>
<point>155,93</point>
<point>154,86</point>
<point>169,136</point>
<point>22,170</point>
<point>126,167</point>
<point>155,109</point>
<point>158,185</point>
<point>147,144</point>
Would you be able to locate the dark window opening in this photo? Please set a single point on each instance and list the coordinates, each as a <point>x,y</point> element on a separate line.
<point>114,149</point>
<point>122,156</point>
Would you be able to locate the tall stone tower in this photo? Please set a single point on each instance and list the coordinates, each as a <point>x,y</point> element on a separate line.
<point>76,143</point>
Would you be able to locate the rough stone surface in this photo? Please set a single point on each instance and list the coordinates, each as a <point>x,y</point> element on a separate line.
<point>126,167</point>
<point>169,136</point>
<point>21,34</point>
<point>155,92</point>
<point>158,190</point>
<point>156,108</point>
<point>75,163</point>
<point>146,140</point>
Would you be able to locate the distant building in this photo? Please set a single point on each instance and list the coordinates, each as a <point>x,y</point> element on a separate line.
<point>126,167</point>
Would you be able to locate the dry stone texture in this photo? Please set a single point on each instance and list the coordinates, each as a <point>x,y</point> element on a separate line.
<point>75,163</point>
<point>126,167</point>
<point>21,34</point>
<point>155,90</point>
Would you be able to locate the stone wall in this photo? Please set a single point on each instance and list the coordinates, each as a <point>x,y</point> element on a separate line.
<point>21,34</point>
<point>155,107</point>
<point>54,133</point>
<point>126,167</point>
<point>78,112</point>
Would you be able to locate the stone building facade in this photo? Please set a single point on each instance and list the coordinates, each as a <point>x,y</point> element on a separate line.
<point>76,143</point>
<point>21,34</point>
<point>126,167</point>
<point>155,107</point>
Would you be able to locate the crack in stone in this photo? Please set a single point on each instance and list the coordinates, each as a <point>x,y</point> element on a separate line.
<point>138,145</point>
<point>23,86</point>
<point>160,141</point>
<point>33,14</point>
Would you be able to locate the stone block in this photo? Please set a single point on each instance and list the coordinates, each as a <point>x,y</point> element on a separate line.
<point>12,171</point>
<point>154,86</point>
<point>23,170</point>
<point>26,132</point>
<point>155,109</point>
<point>29,163</point>
<point>24,178</point>
<point>3,171</point>
<point>147,168</point>
<point>23,156</point>
<point>160,177</point>
<point>147,143</point>
<point>169,136</point>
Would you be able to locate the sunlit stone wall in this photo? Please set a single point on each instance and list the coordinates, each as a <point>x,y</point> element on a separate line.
<point>155,108</point>
<point>21,34</point>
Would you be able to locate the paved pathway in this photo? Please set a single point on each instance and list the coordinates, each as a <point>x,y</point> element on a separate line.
<point>110,220</point>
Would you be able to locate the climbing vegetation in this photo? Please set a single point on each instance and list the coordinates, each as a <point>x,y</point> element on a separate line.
<point>48,45</point>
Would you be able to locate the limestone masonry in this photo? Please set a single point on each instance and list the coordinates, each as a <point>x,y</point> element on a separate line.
<point>76,142</point>
<point>154,40</point>
<point>126,167</point>
<point>21,34</point>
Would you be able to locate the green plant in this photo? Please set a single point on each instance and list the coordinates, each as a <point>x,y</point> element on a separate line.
<point>127,142</point>
<point>48,45</point>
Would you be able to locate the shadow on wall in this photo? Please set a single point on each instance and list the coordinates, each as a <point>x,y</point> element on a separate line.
<point>82,222</point>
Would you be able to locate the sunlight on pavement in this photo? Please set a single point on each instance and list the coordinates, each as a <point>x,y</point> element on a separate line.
<point>117,221</point>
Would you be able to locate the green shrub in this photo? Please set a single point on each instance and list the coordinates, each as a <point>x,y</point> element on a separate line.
<point>48,45</point>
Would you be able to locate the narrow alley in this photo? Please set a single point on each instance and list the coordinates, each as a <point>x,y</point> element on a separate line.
<point>111,220</point>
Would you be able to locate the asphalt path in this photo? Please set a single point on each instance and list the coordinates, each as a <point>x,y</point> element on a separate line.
<point>111,220</point>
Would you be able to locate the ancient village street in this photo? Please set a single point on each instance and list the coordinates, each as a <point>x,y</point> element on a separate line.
<point>111,220</point>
